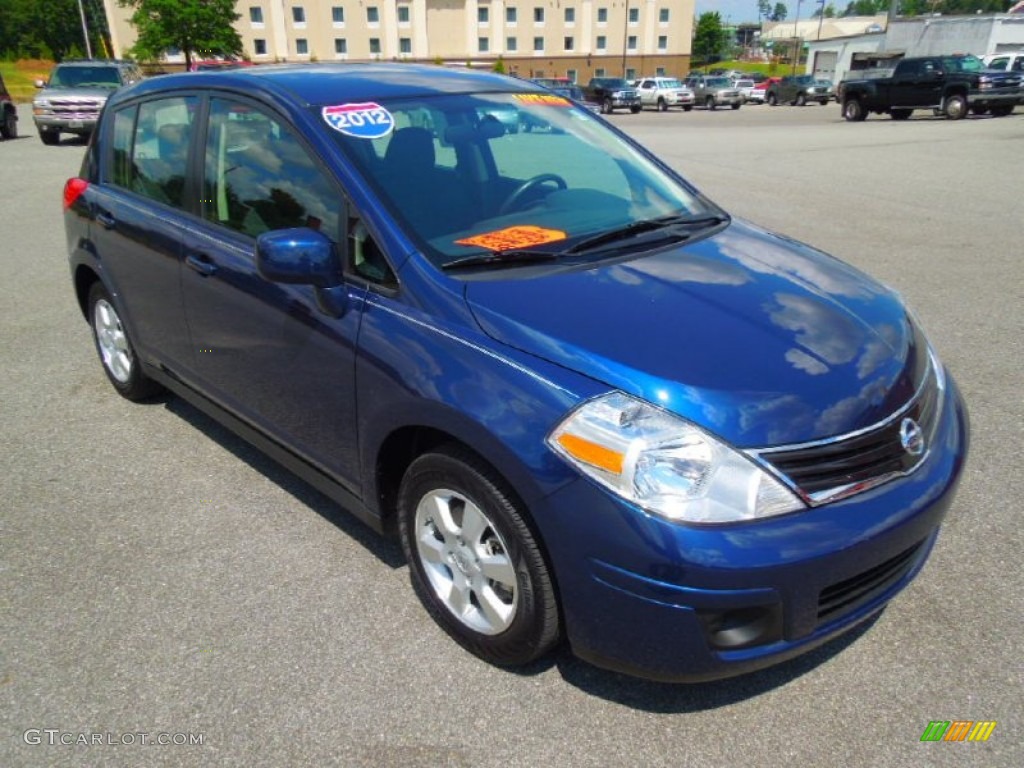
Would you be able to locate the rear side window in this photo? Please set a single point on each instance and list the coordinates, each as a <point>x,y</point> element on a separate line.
<point>258,177</point>
<point>150,148</point>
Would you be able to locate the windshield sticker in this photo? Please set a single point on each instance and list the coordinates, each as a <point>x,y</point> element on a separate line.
<point>363,121</point>
<point>545,99</point>
<point>522,236</point>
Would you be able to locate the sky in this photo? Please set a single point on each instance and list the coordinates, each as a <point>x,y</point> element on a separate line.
<point>736,11</point>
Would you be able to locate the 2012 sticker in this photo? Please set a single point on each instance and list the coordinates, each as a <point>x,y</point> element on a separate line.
<point>367,120</point>
<point>521,236</point>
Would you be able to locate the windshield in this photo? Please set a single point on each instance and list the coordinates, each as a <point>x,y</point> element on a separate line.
<point>84,77</point>
<point>964,64</point>
<point>473,174</point>
<point>718,82</point>
<point>607,82</point>
<point>670,84</point>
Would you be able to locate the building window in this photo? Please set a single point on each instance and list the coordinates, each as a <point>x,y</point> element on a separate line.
<point>298,15</point>
<point>659,71</point>
<point>373,15</point>
<point>599,72</point>
<point>338,15</point>
<point>662,42</point>
<point>631,74</point>
<point>341,46</point>
<point>602,15</point>
<point>511,44</point>
<point>510,15</point>
<point>663,15</point>
<point>538,44</point>
<point>567,42</point>
<point>375,45</point>
<point>570,15</point>
<point>483,44</point>
<point>634,15</point>
<point>538,15</point>
<point>403,14</point>
<point>602,42</point>
<point>571,74</point>
<point>483,14</point>
<point>631,43</point>
<point>302,46</point>
<point>405,45</point>
<point>256,15</point>
<point>259,47</point>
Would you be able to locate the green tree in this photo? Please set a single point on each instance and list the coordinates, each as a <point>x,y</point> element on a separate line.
<point>201,27</point>
<point>31,29</point>
<point>779,12</point>
<point>764,10</point>
<point>708,37</point>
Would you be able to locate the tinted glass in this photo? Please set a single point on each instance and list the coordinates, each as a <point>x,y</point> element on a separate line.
<point>84,77</point>
<point>258,177</point>
<point>159,151</point>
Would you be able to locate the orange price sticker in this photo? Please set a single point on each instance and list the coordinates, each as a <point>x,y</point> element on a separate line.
<point>547,99</point>
<point>522,236</point>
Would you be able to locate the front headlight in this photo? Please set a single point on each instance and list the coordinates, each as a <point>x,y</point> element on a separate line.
<point>666,465</point>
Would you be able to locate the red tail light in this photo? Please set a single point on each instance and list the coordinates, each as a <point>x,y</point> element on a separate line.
<point>72,190</point>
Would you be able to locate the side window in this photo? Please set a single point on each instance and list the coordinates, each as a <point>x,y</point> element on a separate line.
<point>150,146</point>
<point>258,177</point>
<point>999,63</point>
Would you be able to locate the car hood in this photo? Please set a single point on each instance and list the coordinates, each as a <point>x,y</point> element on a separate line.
<point>78,93</point>
<point>759,339</point>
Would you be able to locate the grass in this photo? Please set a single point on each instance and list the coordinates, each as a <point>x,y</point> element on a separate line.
<point>20,77</point>
<point>765,68</point>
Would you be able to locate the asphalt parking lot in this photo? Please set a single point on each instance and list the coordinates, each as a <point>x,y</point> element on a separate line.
<point>161,577</point>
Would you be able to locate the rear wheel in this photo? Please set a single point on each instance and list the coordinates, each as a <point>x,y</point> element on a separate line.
<point>900,114</point>
<point>1002,110</point>
<point>955,107</point>
<point>473,560</point>
<point>115,349</point>
<point>773,100</point>
<point>9,125</point>
<point>662,105</point>
<point>853,110</point>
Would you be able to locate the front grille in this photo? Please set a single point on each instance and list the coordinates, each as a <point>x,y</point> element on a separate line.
<point>850,594</point>
<point>840,467</point>
<point>74,109</point>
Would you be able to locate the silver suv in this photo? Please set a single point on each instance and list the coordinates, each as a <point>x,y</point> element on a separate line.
<point>715,91</point>
<point>663,92</point>
<point>71,100</point>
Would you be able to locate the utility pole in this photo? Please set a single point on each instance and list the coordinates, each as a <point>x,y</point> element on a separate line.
<point>85,30</point>
<point>625,38</point>
<point>796,37</point>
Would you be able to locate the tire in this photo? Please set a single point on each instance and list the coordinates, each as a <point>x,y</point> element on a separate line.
<point>736,106</point>
<point>823,102</point>
<point>955,107</point>
<point>688,108</point>
<point>773,100</point>
<point>636,109</point>
<point>115,349</point>
<point>801,100</point>
<point>49,138</point>
<point>662,106</point>
<point>900,114</point>
<point>854,111</point>
<point>454,513</point>
<point>976,110</point>
<point>606,107</point>
<point>1002,110</point>
<point>709,102</point>
<point>9,126</point>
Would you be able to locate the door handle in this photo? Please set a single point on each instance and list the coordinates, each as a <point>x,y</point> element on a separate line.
<point>201,264</point>
<point>106,220</point>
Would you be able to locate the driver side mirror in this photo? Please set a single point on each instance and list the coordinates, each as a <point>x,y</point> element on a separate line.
<point>40,83</point>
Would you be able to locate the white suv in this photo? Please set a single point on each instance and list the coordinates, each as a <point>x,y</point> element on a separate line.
<point>663,92</point>
<point>1008,62</point>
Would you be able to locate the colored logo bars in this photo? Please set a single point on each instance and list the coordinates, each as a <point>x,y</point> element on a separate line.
<point>958,730</point>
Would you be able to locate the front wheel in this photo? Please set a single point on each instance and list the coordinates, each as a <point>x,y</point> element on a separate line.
<point>635,109</point>
<point>473,560</point>
<point>1002,110</point>
<point>955,107</point>
<point>773,100</point>
<point>115,349</point>
<point>709,102</point>
<point>736,106</point>
<point>688,107</point>
<point>854,111</point>
<point>9,126</point>
<point>662,105</point>
<point>801,100</point>
<point>49,138</point>
<point>606,107</point>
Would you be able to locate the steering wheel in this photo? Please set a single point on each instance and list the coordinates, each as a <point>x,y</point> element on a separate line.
<point>520,192</point>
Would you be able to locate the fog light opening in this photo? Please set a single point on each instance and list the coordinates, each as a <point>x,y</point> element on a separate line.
<point>744,627</point>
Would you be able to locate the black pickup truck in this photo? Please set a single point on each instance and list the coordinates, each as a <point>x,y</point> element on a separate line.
<point>950,85</point>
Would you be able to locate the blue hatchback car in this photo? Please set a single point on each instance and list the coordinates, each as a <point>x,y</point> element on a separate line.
<point>591,404</point>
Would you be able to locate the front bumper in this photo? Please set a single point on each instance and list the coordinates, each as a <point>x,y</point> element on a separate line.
<point>80,124</point>
<point>997,98</point>
<point>688,603</point>
<point>725,98</point>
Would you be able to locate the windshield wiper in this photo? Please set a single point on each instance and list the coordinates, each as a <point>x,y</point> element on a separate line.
<point>647,225</point>
<point>511,257</point>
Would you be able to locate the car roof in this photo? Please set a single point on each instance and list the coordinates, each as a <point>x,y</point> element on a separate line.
<point>323,84</point>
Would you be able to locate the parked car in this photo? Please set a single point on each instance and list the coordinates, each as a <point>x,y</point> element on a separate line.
<point>359,271</point>
<point>830,89</point>
<point>947,85</point>
<point>761,88</point>
<point>1005,62</point>
<point>749,92</point>
<point>714,92</point>
<point>8,113</point>
<point>612,93</point>
<point>576,93</point>
<point>664,92</point>
<point>71,99</point>
<point>797,90</point>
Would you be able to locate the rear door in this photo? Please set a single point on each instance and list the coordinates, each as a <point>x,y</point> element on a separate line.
<point>139,221</point>
<point>264,350</point>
